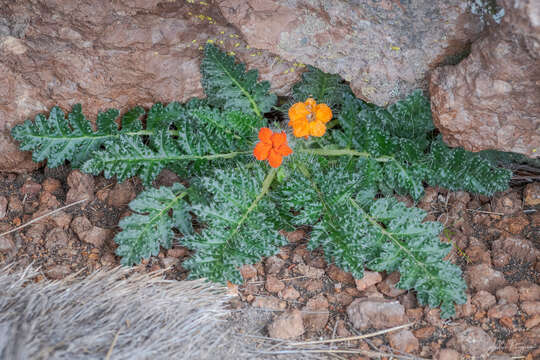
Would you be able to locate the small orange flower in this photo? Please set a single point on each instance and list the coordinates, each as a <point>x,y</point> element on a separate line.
<point>272,147</point>
<point>308,118</point>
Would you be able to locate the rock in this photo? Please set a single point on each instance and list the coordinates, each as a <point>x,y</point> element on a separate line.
<point>273,284</point>
<point>519,248</point>
<point>126,54</point>
<point>295,236</point>
<point>388,288</point>
<point>268,303</point>
<point>51,185</point>
<point>56,238</point>
<point>15,205</point>
<point>341,329</point>
<point>513,225</point>
<point>408,300</point>
<point>500,258</point>
<point>378,313</point>
<point>404,341</point>
<point>179,252</point>
<point>339,275</point>
<point>532,322</point>
<point>3,206</point>
<point>81,186</point>
<point>88,233</point>
<point>58,272</point>
<point>30,187</point>
<point>424,332</point>
<point>344,299</point>
<point>247,271</point>
<point>503,310</point>
<point>121,194</point>
<point>287,325</point>
<point>490,99</point>
<point>521,343</point>
<point>415,314</point>
<point>448,354</point>
<point>289,293</point>
<point>433,316</point>
<point>507,203</point>
<point>273,265</point>
<point>35,232</point>
<point>529,292</point>
<point>482,277</point>
<point>465,310</point>
<point>6,244</point>
<point>384,49</point>
<point>62,219</point>
<point>315,314</point>
<point>484,300</point>
<point>507,295</point>
<point>531,307</point>
<point>310,271</point>
<point>474,341</point>
<point>311,285</point>
<point>531,194</point>
<point>370,278</point>
<point>169,262</point>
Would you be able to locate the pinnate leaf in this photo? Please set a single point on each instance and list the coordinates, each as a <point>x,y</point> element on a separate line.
<point>151,226</point>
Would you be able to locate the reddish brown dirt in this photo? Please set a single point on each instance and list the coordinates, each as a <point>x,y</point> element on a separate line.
<point>490,235</point>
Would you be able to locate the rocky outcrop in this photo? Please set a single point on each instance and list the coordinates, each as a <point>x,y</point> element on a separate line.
<point>491,100</point>
<point>384,48</point>
<point>107,54</point>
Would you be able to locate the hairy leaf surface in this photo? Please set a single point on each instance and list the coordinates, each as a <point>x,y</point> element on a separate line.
<point>151,226</point>
<point>57,138</point>
<point>325,88</point>
<point>228,86</point>
<point>240,224</point>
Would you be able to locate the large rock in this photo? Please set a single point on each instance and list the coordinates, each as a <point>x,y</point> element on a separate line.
<point>107,54</point>
<point>491,99</point>
<point>384,48</point>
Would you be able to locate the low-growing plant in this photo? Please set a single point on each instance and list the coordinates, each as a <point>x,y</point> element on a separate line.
<point>334,164</point>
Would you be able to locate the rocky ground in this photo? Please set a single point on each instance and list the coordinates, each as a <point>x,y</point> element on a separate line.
<point>496,242</point>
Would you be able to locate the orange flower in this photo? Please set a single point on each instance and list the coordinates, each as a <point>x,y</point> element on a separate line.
<point>272,147</point>
<point>308,118</point>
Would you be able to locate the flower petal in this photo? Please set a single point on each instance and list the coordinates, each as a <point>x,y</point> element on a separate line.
<point>301,128</point>
<point>311,104</point>
<point>278,139</point>
<point>297,112</point>
<point>274,159</point>
<point>323,113</point>
<point>284,150</point>
<point>261,150</point>
<point>317,128</point>
<point>265,135</point>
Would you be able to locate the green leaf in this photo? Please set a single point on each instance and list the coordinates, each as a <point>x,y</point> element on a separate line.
<point>228,86</point>
<point>57,139</point>
<point>325,88</point>
<point>457,169</point>
<point>240,224</point>
<point>151,226</point>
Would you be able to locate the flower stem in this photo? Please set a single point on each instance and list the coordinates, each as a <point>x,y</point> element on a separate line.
<point>344,152</point>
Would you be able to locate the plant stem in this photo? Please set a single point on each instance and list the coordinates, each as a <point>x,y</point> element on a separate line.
<point>264,190</point>
<point>344,152</point>
<point>390,236</point>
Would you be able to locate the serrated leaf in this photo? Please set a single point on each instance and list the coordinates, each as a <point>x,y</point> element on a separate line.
<point>57,139</point>
<point>151,227</point>
<point>228,86</point>
<point>457,169</point>
<point>239,224</point>
<point>325,88</point>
